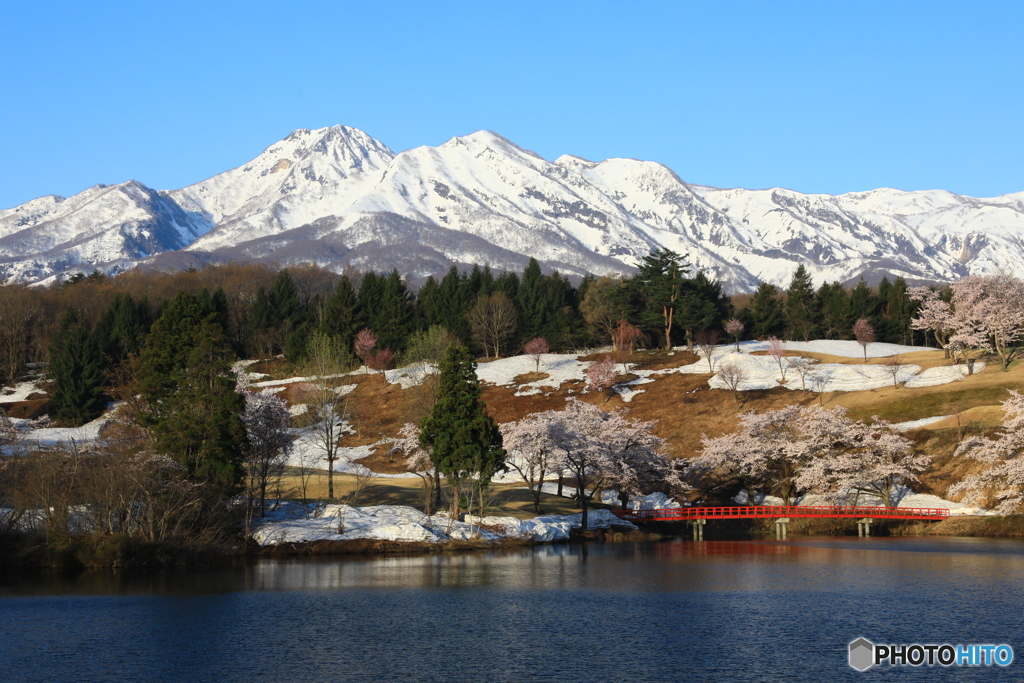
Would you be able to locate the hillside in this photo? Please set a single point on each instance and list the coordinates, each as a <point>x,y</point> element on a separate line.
<point>673,388</point>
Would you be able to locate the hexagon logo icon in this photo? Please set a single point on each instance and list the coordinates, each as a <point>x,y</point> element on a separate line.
<point>862,654</point>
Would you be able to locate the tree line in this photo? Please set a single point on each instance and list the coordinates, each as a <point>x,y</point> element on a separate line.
<point>87,326</point>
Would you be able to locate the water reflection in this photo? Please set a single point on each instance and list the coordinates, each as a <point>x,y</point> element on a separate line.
<point>638,612</point>
<point>665,566</point>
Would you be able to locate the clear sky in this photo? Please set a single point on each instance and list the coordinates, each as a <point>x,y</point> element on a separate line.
<point>817,96</point>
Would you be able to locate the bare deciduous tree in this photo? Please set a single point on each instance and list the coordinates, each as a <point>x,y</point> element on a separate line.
<point>707,340</point>
<point>803,367</point>
<point>325,361</point>
<point>733,376</point>
<point>493,319</point>
<point>895,366</point>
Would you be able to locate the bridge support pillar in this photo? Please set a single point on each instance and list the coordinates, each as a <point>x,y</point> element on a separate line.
<point>864,527</point>
<point>781,528</point>
<point>698,529</point>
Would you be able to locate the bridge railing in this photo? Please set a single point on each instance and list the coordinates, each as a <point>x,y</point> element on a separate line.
<point>781,511</point>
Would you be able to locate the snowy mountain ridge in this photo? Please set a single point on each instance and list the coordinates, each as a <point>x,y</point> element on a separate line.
<point>338,197</point>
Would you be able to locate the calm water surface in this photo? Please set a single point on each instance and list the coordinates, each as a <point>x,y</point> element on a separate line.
<point>675,611</point>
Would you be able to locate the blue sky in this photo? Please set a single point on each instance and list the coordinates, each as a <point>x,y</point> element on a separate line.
<point>817,96</point>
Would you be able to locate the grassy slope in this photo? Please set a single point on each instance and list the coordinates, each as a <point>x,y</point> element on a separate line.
<point>686,409</point>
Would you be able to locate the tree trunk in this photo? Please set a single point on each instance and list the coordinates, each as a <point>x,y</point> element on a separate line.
<point>437,489</point>
<point>330,477</point>
<point>624,499</point>
<point>560,482</point>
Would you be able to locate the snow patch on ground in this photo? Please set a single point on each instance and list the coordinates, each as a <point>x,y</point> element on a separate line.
<point>290,523</point>
<point>944,374</point>
<point>914,424</point>
<point>20,392</point>
<point>296,380</point>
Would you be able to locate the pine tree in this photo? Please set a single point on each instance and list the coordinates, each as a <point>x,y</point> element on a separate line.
<point>393,317</point>
<point>834,304</point>
<point>76,367</point>
<point>341,315</point>
<point>766,315</point>
<point>463,440</point>
<point>660,281</point>
<point>702,306</point>
<point>800,309</point>
<point>530,302</point>
<point>192,406</point>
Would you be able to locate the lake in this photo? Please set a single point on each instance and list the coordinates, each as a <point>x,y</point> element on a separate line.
<point>671,611</point>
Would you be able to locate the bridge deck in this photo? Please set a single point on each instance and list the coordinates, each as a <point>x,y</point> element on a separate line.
<point>683,514</point>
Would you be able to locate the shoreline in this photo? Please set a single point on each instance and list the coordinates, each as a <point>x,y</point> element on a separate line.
<point>27,553</point>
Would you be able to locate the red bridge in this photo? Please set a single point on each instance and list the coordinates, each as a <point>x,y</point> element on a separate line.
<point>685,514</point>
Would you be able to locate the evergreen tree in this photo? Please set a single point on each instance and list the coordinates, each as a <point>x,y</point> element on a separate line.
<point>76,367</point>
<point>660,281</point>
<point>508,283</point>
<point>863,304</point>
<point>122,329</point>
<point>702,306</point>
<point>392,320</point>
<point>341,315</point>
<point>766,315</point>
<point>530,300</point>
<point>834,305</point>
<point>284,300</point>
<point>800,305</point>
<point>192,407</point>
<point>463,440</point>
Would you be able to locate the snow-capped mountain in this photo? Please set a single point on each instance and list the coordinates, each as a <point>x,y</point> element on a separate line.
<point>338,197</point>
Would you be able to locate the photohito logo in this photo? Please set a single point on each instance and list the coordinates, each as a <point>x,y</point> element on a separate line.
<point>864,654</point>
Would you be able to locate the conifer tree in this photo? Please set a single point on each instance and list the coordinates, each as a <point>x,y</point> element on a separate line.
<point>192,408</point>
<point>529,300</point>
<point>766,316</point>
<point>340,319</point>
<point>834,305</point>
<point>660,281</point>
<point>463,440</point>
<point>800,313</point>
<point>76,367</point>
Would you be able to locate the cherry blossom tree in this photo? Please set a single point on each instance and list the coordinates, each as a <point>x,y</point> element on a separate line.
<point>602,375</point>
<point>418,460</point>
<point>535,348</point>
<point>366,342</point>
<point>1004,457</point>
<point>707,340</point>
<point>865,335</point>
<point>933,315</point>
<point>268,425</point>
<point>1003,313</point>
<point>734,328</point>
<point>777,350</point>
<point>969,321</point>
<point>531,450</point>
<point>763,455</point>
<point>874,460</point>
<point>599,449</point>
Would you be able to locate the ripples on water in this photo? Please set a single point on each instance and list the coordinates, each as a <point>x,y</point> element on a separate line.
<point>676,611</point>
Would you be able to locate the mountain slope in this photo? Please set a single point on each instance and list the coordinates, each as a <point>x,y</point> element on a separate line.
<point>338,197</point>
